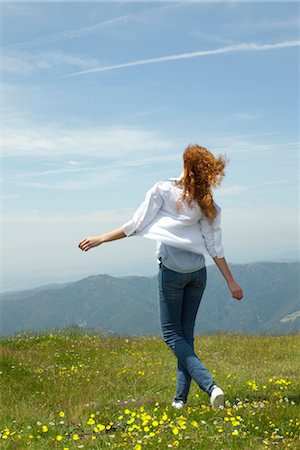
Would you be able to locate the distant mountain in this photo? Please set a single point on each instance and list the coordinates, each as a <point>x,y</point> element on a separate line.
<point>129,305</point>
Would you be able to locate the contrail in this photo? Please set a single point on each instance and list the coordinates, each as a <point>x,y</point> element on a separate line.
<point>79,32</point>
<point>229,49</point>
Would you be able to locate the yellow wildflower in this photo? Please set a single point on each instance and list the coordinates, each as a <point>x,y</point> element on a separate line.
<point>59,437</point>
<point>75,437</point>
<point>61,414</point>
<point>175,431</point>
<point>44,428</point>
<point>90,421</point>
<point>130,421</point>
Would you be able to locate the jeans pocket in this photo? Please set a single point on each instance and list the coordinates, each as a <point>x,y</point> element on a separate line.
<point>202,276</point>
<point>172,280</point>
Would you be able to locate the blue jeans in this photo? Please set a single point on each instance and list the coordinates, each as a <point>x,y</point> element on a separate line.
<point>179,299</point>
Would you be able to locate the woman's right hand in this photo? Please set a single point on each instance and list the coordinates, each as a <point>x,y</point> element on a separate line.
<point>235,290</point>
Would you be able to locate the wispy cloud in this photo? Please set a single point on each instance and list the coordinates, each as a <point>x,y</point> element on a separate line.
<point>39,217</point>
<point>243,144</point>
<point>95,178</point>
<point>234,190</point>
<point>25,63</point>
<point>263,25</point>
<point>45,173</point>
<point>230,190</point>
<point>91,29</point>
<point>252,46</point>
<point>211,37</point>
<point>238,117</point>
<point>9,196</point>
<point>110,142</point>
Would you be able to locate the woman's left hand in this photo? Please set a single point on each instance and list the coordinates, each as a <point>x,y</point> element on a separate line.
<point>90,242</point>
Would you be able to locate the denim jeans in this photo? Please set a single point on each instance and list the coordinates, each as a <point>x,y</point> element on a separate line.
<point>179,299</point>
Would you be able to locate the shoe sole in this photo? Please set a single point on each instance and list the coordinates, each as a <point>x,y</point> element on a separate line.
<point>178,407</point>
<point>218,401</point>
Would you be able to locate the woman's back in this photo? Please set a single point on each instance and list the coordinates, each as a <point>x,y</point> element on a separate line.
<point>171,192</point>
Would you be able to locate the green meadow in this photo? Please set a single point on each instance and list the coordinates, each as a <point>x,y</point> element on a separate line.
<point>70,390</point>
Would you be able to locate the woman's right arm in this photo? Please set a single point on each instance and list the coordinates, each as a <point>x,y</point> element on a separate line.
<point>235,289</point>
<point>212,234</point>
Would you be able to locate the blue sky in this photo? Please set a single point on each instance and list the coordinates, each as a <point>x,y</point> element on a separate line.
<point>101,98</point>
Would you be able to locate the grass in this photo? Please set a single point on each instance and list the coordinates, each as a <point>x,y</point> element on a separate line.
<point>68,390</point>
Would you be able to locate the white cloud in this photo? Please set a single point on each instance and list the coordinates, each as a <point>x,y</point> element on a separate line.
<point>246,144</point>
<point>211,37</point>
<point>54,139</point>
<point>263,25</point>
<point>241,189</point>
<point>230,190</point>
<point>97,177</point>
<point>238,117</point>
<point>37,217</point>
<point>26,63</point>
<point>9,196</point>
<point>251,46</point>
<point>91,29</point>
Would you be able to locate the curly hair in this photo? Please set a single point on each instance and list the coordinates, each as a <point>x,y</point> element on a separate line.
<point>202,170</point>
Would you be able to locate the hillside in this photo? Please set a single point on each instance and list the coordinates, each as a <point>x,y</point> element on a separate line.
<point>129,305</point>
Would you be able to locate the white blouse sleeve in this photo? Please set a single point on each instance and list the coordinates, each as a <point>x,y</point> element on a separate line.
<point>145,213</point>
<point>212,234</point>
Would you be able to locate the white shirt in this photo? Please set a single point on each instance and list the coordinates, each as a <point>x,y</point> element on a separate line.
<point>188,229</point>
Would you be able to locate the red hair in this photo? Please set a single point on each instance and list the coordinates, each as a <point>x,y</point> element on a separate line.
<point>202,170</point>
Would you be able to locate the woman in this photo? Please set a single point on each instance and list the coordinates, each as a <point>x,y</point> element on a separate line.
<point>181,215</point>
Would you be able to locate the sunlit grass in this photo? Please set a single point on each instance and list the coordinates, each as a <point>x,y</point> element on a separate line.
<point>69,391</point>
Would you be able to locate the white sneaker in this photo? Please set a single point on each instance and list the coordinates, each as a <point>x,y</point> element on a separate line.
<point>178,404</point>
<point>217,397</point>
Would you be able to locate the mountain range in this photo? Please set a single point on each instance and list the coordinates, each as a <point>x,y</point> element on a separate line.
<point>129,305</point>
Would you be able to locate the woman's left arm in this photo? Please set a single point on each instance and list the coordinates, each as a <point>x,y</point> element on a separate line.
<point>93,241</point>
<point>145,213</point>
